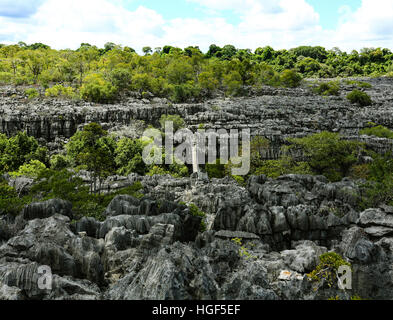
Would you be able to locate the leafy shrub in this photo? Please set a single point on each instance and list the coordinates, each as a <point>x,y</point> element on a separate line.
<point>178,121</point>
<point>290,79</point>
<point>244,250</point>
<point>379,189</point>
<point>328,154</point>
<point>361,171</point>
<point>184,92</point>
<point>60,162</point>
<point>93,150</point>
<point>176,170</point>
<point>96,89</point>
<point>308,66</point>
<point>359,97</point>
<point>10,202</point>
<point>120,78</point>
<point>18,150</point>
<point>331,88</point>
<point>157,170</point>
<point>196,212</point>
<point>5,77</point>
<point>378,131</point>
<point>216,170</point>
<point>233,83</point>
<point>128,157</point>
<point>33,170</point>
<point>240,180</point>
<point>328,267</point>
<point>32,93</point>
<point>141,82</point>
<point>207,81</point>
<point>268,76</point>
<point>276,168</point>
<point>360,84</point>
<point>59,91</point>
<point>65,185</point>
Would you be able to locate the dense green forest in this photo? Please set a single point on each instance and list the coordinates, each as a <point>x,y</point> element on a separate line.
<point>181,75</point>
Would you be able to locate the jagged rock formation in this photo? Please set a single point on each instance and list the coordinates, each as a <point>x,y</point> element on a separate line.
<point>275,113</point>
<point>150,248</point>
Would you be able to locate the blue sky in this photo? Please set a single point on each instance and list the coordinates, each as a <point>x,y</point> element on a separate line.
<point>327,9</point>
<point>348,24</point>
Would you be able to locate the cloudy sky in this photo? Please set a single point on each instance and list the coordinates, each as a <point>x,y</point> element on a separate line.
<point>348,24</point>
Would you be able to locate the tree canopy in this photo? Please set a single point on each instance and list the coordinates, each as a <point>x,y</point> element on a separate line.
<point>103,74</point>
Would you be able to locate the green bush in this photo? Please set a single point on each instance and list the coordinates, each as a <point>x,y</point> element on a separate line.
<point>157,170</point>
<point>10,202</point>
<point>120,78</point>
<point>208,82</point>
<point>184,92</point>
<point>65,185</point>
<point>327,269</point>
<point>96,89</point>
<point>328,154</point>
<point>276,168</point>
<point>5,77</point>
<point>233,83</point>
<point>240,180</point>
<point>290,79</point>
<point>268,76</point>
<point>128,157</point>
<point>378,131</point>
<point>331,88</point>
<point>18,150</point>
<point>196,212</point>
<point>379,187</point>
<point>178,121</point>
<point>32,93</point>
<point>216,170</point>
<point>60,91</point>
<point>360,84</point>
<point>60,162</point>
<point>33,170</point>
<point>359,97</point>
<point>176,170</point>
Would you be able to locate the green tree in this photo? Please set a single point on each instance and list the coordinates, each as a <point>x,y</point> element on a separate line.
<point>178,121</point>
<point>96,89</point>
<point>128,157</point>
<point>290,79</point>
<point>93,149</point>
<point>147,50</point>
<point>18,150</point>
<point>328,154</point>
<point>233,83</point>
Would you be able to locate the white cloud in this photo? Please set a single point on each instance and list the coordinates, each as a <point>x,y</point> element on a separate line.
<point>369,26</point>
<point>279,23</point>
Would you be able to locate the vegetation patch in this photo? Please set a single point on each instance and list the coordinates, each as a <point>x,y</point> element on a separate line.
<point>359,97</point>
<point>331,88</point>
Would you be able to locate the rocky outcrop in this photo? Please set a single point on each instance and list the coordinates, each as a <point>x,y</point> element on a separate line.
<point>261,243</point>
<point>40,210</point>
<point>274,113</point>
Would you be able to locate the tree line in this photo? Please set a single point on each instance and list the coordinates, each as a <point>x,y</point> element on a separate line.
<point>104,74</point>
